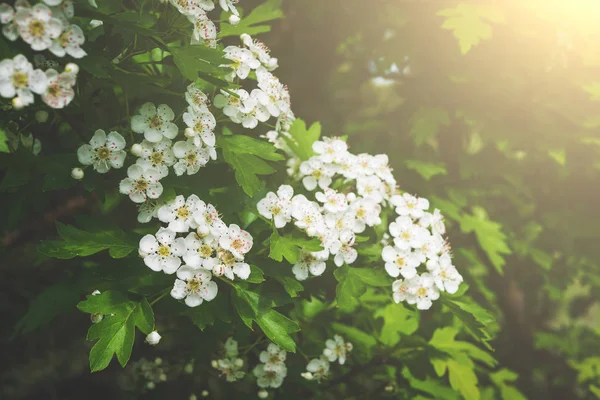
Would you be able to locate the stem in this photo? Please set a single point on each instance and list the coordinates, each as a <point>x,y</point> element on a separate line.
<point>153,302</point>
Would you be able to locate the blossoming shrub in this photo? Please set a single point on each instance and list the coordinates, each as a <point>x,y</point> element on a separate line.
<point>295,258</point>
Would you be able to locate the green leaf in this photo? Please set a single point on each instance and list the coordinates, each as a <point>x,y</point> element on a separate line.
<point>246,303</point>
<point>426,170</point>
<point>251,23</point>
<point>3,142</point>
<point>444,340</point>
<point>302,139</point>
<point>278,328</point>
<point>353,282</point>
<point>289,247</point>
<point>256,275</point>
<point>502,379</point>
<point>430,386</point>
<point>426,122</point>
<point>79,243</point>
<point>192,60</point>
<point>476,319</point>
<point>489,236</point>
<point>468,24</point>
<point>245,155</point>
<point>116,332</point>
<point>397,320</point>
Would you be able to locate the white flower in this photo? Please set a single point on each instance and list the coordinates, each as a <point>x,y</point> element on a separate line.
<point>231,368</point>
<point>178,213</point>
<point>399,262</point>
<point>347,254</point>
<point>142,182</point>
<point>234,20</point>
<point>313,262</point>
<point>59,92</point>
<point>330,150</point>
<point>277,206</point>
<point>333,201</point>
<point>237,241</point>
<point>148,210</point>
<point>367,213</point>
<point>7,13</point>
<point>37,26</point>
<point>204,29</point>
<point>155,122</point>
<point>410,205</point>
<point>370,186</point>
<point>226,264</point>
<point>269,375</point>
<point>231,348</point>
<point>243,61</point>
<point>445,275</point>
<point>316,173</point>
<point>161,252</point>
<point>273,355</point>
<point>198,250</point>
<point>308,216</point>
<point>191,157</point>
<point>103,152</point>
<point>422,291</point>
<point>337,349</point>
<point>201,124</point>
<point>159,154</point>
<point>194,285</point>
<point>18,78</point>
<point>407,235</point>
<point>196,98</point>
<point>260,51</point>
<point>435,221</point>
<point>318,369</point>
<point>400,290</point>
<point>235,107</point>
<point>69,42</point>
<point>153,338</point>
<point>209,223</point>
<point>229,5</point>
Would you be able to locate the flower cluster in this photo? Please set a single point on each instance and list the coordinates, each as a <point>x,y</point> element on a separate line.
<point>19,81</point>
<point>417,238</point>
<point>212,248</point>
<point>336,349</point>
<point>150,372</point>
<point>272,370</point>
<point>231,366</point>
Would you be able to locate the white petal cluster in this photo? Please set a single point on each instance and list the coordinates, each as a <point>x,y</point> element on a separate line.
<point>269,99</point>
<point>19,81</point>
<point>336,349</point>
<point>44,26</point>
<point>271,371</point>
<point>416,240</point>
<point>103,151</point>
<point>211,248</point>
<point>151,372</point>
<point>231,366</point>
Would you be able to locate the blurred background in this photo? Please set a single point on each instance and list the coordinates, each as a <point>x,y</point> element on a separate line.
<point>491,110</point>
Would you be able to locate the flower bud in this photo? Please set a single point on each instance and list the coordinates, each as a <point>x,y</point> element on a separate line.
<point>205,393</point>
<point>95,318</point>
<point>214,364</point>
<point>234,19</point>
<point>137,149</point>
<point>77,173</point>
<point>218,270</point>
<point>189,132</point>
<point>17,103</point>
<point>238,362</point>
<point>95,292</point>
<point>389,388</point>
<point>150,385</point>
<point>193,397</point>
<point>72,68</point>
<point>158,361</point>
<point>189,368</point>
<point>307,375</point>
<point>41,116</point>
<point>263,394</point>
<point>153,338</point>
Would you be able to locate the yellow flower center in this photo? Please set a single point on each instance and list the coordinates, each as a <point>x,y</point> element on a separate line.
<point>141,185</point>
<point>155,122</point>
<point>194,285</point>
<point>183,212</point>
<point>53,90</point>
<point>156,158</point>
<point>400,261</point>
<point>164,251</point>
<point>19,79</point>
<point>205,251</point>
<point>199,126</point>
<point>103,153</point>
<point>360,213</point>
<point>37,28</point>
<point>63,39</point>
<point>422,291</point>
<point>276,210</point>
<point>191,158</point>
<point>227,257</point>
<point>405,235</point>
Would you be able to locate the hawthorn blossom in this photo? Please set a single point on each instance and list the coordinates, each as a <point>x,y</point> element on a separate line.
<point>269,375</point>
<point>148,210</point>
<point>337,349</point>
<point>313,262</point>
<point>406,234</point>
<point>193,7</point>
<point>162,252</point>
<point>434,220</point>
<point>308,216</point>
<point>159,154</point>
<point>69,42</point>
<point>333,201</point>
<point>205,31</point>
<point>229,5</point>
<point>274,355</point>
<point>400,290</point>
<point>207,218</point>
<point>422,291</point>
<point>103,152</point>
<point>408,204</point>
<point>59,92</point>
<point>237,241</point>
<point>178,213</point>
<point>330,150</point>
<point>317,368</point>
<point>18,78</point>
<point>198,250</point>
<point>260,51</point>
<point>230,366</point>
<point>142,182</point>
<point>153,338</point>
<point>277,206</point>
<point>225,263</point>
<point>243,61</point>
<point>445,275</point>
<point>154,122</point>
<point>191,157</point>
<point>316,172</point>
<point>193,285</point>
<point>399,262</point>
<point>196,98</point>
<point>370,186</point>
<point>37,27</point>
<point>201,124</point>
